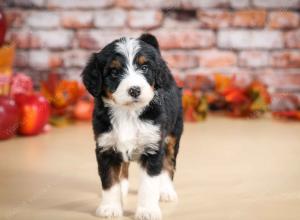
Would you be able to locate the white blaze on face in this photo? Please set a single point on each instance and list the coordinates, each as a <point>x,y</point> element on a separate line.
<point>133,77</point>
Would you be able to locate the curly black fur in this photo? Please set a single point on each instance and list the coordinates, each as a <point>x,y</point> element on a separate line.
<point>164,110</point>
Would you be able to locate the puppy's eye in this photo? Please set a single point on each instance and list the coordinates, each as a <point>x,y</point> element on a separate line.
<point>144,67</point>
<point>114,73</point>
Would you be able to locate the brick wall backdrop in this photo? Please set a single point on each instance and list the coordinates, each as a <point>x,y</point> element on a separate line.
<point>251,38</point>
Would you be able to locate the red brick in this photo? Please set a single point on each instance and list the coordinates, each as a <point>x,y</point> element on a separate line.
<point>77,19</point>
<point>281,80</point>
<point>55,61</point>
<point>180,59</point>
<point>195,4</point>
<point>86,40</point>
<point>110,18</point>
<point>276,3</point>
<point>196,82</point>
<point>15,17</point>
<point>283,19</point>
<point>54,39</point>
<point>283,101</point>
<point>249,18</point>
<point>97,39</point>
<point>21,59</point>
<point>254,58</point>
<point>24,39</point>
<point>185,4</point>
<point>215,58</point>
<point>214,19</point>
<point>82,4</point>
<point>43,20</point>
<point>250,39</point>
<point>172,39</point>
<point>140,3</point>
<point>212,70</point>
<point>173,23</point>
<point>27,3</point>
<point>292,39</point>
<point>145,19</point>
<point>44,60</point>
<point>286,59</point>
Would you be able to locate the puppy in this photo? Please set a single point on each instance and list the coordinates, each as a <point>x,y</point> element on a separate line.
<point>137,117</point>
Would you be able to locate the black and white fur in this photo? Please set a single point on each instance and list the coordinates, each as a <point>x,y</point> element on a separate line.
<point>137,116</point>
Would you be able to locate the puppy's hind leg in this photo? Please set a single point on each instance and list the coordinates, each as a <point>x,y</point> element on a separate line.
<point>167,190</point>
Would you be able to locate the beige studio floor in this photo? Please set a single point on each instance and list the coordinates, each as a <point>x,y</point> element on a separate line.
<point>227,169</point>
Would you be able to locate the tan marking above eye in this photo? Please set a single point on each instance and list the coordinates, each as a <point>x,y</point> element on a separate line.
<point>141,60</point>
<point>109,95</point>
<point>115,64</point>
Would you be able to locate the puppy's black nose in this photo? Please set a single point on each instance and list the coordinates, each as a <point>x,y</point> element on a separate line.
<point>134,91</point>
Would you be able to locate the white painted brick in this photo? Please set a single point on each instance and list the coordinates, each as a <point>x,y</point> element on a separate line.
<point>203,3</point>
<point>145,19</point>
<point>240,3</point>
<point>277,3</point>
<point>55,39</point>
<point>254,58</point>
<point>250,39</point>
<point>43,20</point>
<point>84,4</point>
<point>110,18</point>
<point>39,59</point>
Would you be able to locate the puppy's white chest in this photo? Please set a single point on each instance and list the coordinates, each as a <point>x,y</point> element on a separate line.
<point>129,134</point>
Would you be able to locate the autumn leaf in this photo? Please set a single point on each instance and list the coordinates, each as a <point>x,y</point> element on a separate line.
<point>60,93</point>
<point>222,82</point>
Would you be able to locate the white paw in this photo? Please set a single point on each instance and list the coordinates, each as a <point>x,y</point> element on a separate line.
<point>168,195</point>
<point>143,213</point>
<point>109,211</point>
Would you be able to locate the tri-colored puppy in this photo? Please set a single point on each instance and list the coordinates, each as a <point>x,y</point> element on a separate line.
<point>137,117</point>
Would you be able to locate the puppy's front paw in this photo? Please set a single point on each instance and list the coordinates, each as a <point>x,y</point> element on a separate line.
<point>168,195</point>
<point>109,211</point>
<point>143,213</point>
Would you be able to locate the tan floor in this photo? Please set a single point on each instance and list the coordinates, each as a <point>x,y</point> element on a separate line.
<point>227,169</point>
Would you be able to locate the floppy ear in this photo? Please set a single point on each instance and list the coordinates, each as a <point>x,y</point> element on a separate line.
<point>150,39</point>
<point>162,70</point>
<point>91,76</point>
<point>162,74</point>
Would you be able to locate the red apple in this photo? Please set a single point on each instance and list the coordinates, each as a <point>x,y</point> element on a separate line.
<point>9,117</point>
<point>35,112</point>
<point>2,27</point>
